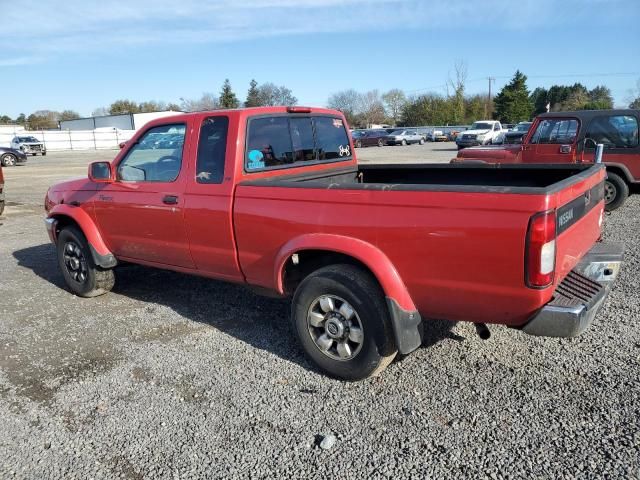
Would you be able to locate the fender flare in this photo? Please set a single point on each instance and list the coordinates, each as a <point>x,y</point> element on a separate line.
<point>102,256</point>
<point>369,255</point>
<point>405,318</point>
<point>623,168</point>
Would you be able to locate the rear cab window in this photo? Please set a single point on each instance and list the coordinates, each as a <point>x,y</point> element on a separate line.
<point>287,141</point>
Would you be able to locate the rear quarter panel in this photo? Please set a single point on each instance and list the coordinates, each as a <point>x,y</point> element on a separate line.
<point>460,255</point>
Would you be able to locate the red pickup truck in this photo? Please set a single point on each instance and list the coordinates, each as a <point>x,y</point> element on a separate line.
<point>274,198</point>
<point>571,137</point>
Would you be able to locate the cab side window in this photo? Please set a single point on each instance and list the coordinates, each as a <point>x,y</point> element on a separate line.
<point>212,148</point>
<point>156,157</point>
<point>556,131</point>
<point>613,131</point>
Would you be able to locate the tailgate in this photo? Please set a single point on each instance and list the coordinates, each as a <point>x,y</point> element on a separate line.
<point>579,215</point>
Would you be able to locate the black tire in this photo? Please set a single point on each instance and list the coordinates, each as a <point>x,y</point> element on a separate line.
<point>8,160</point>
<point>616,191</point>
<point>380,143</point>
<point>1,207</point>
<point>87,280</point>
<point>44,154</point>
<point>404,143</point>
<point>364,295</point>
<point>421,142</point>
<point>460,147</point>
<point>358,144</point>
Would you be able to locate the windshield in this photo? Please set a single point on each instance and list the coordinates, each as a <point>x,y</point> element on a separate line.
<point>522,127</point>
<point>27,139</point>
<point>481,126</point>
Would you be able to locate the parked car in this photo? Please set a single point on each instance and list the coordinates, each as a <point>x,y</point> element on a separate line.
<point>517,133</point>
<point>404,137</point>
<point>29,145</point>
<point>368,138</point>
<point>483,132</point>
<point>571,137</point>
<point>10,157</point>
<point>437,136</point>
<point>273,197</point>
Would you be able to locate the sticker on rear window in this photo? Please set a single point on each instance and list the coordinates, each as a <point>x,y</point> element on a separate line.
<point>344,151</point>
<point>256,159</point>
<point>337,122</point>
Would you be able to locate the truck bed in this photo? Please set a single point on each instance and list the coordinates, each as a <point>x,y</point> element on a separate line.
<point>490,178</point>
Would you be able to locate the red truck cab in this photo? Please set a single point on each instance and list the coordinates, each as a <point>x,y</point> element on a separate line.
<point>274,198</point>
<point>571,137</point>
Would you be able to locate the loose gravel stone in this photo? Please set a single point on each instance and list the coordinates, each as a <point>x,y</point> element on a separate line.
<point>328,441</point>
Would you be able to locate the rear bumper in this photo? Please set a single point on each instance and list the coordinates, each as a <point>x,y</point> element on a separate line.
<point>579,297</point>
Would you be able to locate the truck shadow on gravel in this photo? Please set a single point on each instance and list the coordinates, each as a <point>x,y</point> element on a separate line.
<point>262,322</point>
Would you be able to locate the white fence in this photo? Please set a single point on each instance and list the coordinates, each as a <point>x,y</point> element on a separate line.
<point>71,139</point>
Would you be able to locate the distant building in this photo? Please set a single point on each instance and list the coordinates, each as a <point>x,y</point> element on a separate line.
<point>127,121</point>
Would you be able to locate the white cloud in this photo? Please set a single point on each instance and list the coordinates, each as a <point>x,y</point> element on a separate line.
<point>35,30</point>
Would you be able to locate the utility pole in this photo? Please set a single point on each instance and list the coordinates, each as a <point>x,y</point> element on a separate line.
<point>486,107</point>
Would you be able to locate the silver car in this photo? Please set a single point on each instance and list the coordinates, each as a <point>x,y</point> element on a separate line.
<point>404,137</point>
<point>29,145</point>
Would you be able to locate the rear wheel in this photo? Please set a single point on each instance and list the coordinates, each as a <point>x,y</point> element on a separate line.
<point>421,142</point>
<point>404,143</point>
<point>8,160</point>
<point>44,154</point>
<point>81,274</point>
<point>342,322</point>
<point>358,144</point>
<point>380,142</point>
<point>616,191</point>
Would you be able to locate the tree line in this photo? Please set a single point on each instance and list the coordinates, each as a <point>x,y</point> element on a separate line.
<point>258,95</point>
<point>513,103</point>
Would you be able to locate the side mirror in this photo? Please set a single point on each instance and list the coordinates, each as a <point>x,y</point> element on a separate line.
<point>100,172</point>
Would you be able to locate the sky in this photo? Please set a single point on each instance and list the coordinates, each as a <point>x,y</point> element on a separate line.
<point>84,54</point>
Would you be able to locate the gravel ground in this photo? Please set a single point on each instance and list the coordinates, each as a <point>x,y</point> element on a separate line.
<point>172,376</point>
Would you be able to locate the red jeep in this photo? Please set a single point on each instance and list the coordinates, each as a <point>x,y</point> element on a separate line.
<point>571,137</point>
<point>274,198</point>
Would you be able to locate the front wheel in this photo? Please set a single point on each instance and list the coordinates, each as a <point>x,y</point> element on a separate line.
<point>358,144</point>
<point>421,142</point>
<point>404,143</point>
<point>342,322</point>
<point>81,274</point>
<point>44,154</point>
<point>380,143</point>
<point>616,191</point>
<point>8,160</point>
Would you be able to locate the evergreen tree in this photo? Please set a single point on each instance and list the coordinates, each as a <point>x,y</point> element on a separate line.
<point>512,103</point>
<point>228,99</point>
<point>253,95</point>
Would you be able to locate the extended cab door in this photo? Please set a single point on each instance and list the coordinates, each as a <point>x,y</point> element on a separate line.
<point>209,198</point>
<point>141,214</point>
<point>553,141</point>
<point>619,135</point>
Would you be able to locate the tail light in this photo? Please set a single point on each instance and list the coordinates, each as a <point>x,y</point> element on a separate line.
<point>540,256</point>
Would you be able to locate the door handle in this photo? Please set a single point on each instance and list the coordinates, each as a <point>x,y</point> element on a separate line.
<point>565,148</point>
<point>170,199</point>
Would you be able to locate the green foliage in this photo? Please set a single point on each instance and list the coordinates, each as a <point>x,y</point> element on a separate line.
<point>68,115</point>
<point>253,95</point>
<point>571,97</point>
<point>227,98</point>
<point>43,120</point>
<point>120,107</point>
<point>512,104</point>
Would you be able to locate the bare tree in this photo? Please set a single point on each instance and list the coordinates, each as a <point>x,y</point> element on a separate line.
<point>270,95</point>
<point>207,101</point>
<point>394,100</point>
<point>372,108</point>
<point>348,102</point>
<point>457,86</point>
<point>100,112</point>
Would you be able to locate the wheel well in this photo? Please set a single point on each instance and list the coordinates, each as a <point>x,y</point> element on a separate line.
<point>308,261</point>
<point>65,221</point>
<point>620,172</point>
